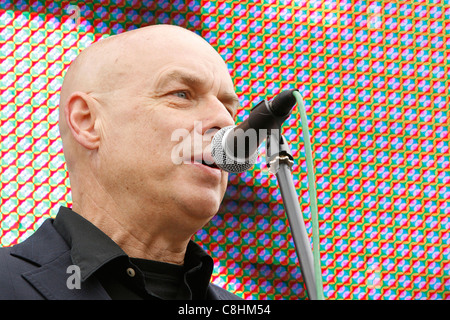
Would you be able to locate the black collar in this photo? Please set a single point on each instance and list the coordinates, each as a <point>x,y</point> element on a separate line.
<point>92,249</point>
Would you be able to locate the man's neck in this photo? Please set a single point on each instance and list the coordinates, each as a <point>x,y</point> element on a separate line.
<point>131,230</point>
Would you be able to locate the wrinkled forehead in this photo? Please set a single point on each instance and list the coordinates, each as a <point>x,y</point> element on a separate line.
<point>142,57</point>
<point>127,58</point>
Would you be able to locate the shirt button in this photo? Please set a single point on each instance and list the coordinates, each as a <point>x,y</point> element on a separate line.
<point>131,272</point>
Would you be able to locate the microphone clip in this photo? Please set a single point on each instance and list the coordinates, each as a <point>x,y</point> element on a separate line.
<point>278,152</point>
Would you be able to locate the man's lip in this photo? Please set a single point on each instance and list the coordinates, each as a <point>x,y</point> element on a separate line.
<point>206,162</point>
<point>206,170</point>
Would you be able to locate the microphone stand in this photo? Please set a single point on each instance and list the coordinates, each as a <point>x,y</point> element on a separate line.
<point>280,161</point>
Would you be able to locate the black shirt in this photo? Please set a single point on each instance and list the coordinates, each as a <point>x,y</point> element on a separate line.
<point>131,278</point>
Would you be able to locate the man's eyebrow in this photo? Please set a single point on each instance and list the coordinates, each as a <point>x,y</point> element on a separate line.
<point>181,76</point>
<point>231,99</point>
<point>192,79</point>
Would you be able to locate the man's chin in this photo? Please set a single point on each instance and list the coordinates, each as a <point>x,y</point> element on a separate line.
<point>202,204</point>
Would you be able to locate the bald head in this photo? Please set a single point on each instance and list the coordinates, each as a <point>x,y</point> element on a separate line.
<point>105,64</point>
<point>113,62</point>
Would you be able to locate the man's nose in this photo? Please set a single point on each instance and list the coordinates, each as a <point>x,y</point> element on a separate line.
<point>215,116</point>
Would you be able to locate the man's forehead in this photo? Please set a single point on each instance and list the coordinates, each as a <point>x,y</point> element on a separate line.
<point>191,75</point>
<point>149,51</point>
<point>136,45</point>
<point>137,56</point>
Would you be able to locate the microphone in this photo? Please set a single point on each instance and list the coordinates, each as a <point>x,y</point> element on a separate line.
<point>235,148</point>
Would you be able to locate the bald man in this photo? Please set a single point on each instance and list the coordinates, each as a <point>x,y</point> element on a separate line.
<point>135,209</point>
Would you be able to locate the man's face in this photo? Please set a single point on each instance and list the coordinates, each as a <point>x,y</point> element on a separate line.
<point>183,88</point>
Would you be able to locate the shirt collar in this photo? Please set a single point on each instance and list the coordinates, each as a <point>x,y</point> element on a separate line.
<point>199,266</point>
<point>91,249</point>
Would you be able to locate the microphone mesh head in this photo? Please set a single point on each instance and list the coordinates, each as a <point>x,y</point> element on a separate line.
<point>225,162</point>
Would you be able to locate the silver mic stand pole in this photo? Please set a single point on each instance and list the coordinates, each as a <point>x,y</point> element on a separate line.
<point>280,161</point>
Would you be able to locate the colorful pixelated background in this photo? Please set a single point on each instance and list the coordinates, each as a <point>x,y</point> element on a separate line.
<point>375,79</point>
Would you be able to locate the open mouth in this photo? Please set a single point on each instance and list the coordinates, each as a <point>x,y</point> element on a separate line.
<point>212,165</point>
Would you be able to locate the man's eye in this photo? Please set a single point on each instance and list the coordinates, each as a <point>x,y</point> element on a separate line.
<point>181,94</point>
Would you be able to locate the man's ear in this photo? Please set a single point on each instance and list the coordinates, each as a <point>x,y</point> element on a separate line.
<point>80,117</point>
